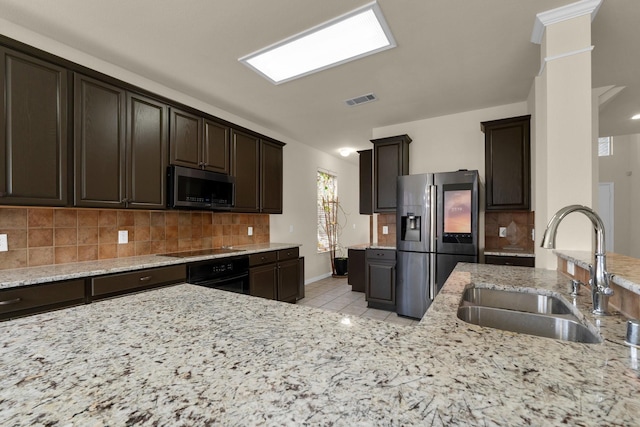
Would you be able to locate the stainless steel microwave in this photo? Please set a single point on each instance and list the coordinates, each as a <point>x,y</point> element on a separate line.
<point>197,189</point>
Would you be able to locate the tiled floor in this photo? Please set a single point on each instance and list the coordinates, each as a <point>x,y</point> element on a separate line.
<point>334,294</point>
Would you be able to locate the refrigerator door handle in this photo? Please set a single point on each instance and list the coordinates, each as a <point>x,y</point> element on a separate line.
<point>432,277</point>
<point>432,218</point>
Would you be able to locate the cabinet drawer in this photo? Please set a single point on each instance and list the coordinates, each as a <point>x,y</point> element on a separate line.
<point>33,299</point>
<point>510,260</point>
<point>381,254</point>
<point>115,284</point>
<point>263,258</point>
<point>285,254</point>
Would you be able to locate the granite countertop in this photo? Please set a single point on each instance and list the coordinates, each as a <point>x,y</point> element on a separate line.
<point>188,355</point>
<point>626,269</point>
<point>51,273</point>
<point>363,246</point>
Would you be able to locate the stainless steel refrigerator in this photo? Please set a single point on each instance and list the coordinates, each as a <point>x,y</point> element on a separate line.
<point>437,227</point>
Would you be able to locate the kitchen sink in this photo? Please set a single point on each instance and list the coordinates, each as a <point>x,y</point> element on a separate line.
<point>514,300</point>
<point>524,313</point>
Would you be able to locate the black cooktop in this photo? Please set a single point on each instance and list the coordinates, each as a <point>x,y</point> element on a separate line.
<point>202,252</point>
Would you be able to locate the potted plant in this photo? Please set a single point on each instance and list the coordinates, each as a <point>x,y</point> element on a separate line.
<point>333,229</point>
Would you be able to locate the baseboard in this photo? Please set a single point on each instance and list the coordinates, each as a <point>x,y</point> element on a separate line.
<point>315,279</point>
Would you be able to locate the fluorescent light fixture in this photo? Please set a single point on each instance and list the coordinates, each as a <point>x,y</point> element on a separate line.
<point>636,117</point>
<point>357,34</point>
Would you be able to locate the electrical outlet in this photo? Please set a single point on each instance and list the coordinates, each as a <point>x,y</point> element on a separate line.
<point>123,236</point>
<point>291,229</point>
<point>533,234</point>
<point>571,268</point>
<point>385,229</point>
<point>250,231</point>
<point>502,232</point>
<point>4,244</point>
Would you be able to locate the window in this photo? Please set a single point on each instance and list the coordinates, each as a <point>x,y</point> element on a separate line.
<point>327,187</point>
<point>605,146</point>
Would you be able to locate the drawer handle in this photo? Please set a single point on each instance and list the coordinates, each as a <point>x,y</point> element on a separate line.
<point>11,301</point>
<point>145,278</point>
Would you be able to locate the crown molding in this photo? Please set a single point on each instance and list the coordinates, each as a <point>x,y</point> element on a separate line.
<point>563,13</point>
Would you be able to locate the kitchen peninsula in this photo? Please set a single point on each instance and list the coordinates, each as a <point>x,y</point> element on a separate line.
<point>196,356</point>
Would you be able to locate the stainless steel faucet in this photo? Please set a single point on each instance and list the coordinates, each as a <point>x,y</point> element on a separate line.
<point>600,290</point>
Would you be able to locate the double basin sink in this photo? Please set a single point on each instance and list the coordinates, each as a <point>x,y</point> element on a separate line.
<point>526,313</point>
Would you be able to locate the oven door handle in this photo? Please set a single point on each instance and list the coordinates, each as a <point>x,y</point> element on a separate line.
<point>221,280</point>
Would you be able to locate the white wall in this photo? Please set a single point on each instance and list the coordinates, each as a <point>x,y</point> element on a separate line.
<point>300,161</point>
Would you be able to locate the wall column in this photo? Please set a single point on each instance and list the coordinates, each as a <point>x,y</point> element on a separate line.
<point>564,141</point>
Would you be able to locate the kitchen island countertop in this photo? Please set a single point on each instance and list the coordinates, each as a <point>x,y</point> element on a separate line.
<point>186,355</point>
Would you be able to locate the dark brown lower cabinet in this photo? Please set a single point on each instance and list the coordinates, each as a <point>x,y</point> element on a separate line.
<point>380,279</point>
<point>123,283</point>
<point>510,260</point>
<point>22,301</point>
<point>275,274</point>
<point>356,270</point>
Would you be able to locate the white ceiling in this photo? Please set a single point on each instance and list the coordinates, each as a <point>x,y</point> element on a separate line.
<point>452,56</point>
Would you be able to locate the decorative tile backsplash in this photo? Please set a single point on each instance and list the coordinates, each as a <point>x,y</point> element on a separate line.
<point>388,220</point>
<point>46,236</point>
<point>518,227</point>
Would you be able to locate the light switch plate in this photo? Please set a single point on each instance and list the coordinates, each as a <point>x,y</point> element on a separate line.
<point>385,229</point>
<point>291,229</point>
<point>250,231</point>
<point>123,236</point>
<point>502,232</point>
<point>4,244</point>
<point>571,268</point>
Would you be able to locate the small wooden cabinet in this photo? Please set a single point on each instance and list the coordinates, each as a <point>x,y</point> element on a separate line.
<point>199,142</point>
<point>510,260</point>
<point>390,160</point>
<point>275,274</point>
<point>123,283</point>
<point>366,181</point>
<point>380,278</point>
<point>508,163</point>
<point>33,131</point>
<point>26,300</point>
<point>120,147</point>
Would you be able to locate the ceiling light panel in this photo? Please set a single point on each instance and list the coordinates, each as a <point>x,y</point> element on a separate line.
<point>354,35</point>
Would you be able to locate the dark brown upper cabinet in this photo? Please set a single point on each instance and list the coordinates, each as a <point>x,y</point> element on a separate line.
<point>198,142</point>
<point>270,177</point>
<point>120,145</point>
<point>245,167</point>
<point>33,131</point>
<point>508,163</point>
<point>390,160</point>
<point>366,181</point>
<point>256,165</point>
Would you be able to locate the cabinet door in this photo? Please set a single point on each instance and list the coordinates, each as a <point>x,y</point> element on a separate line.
<point>99,140</point>
<point>390,160</point>
<point>185,139</point>
<point>288,280</point>
<point>215,151</point>
<point>33,131</point>
<point>366,181</point>
<point>356,269</point>
<point>146,152</point>
<point>245,164</point>
<point>271,178</point>
<point>507,164</point>
<point>263,281</point>
<point>381,283</point>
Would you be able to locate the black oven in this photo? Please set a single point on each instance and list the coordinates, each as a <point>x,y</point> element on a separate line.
<point>227,274</point>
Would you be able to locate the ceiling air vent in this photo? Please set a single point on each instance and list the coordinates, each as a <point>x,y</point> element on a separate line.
<point>362,99</point>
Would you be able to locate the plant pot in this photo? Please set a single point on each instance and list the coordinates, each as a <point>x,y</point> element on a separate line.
<point>342,266</point>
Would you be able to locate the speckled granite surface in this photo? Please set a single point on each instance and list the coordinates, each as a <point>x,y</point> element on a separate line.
<point>186,355</point>
<point>51,273</point>
<point>626,270</point>
<point>504,252</point>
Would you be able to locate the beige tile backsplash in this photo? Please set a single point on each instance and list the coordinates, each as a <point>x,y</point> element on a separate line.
<point>45,236</point>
